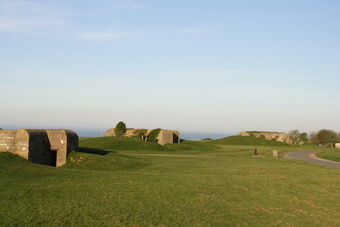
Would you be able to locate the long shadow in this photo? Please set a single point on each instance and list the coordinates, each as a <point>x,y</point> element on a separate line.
<point>94,151</point>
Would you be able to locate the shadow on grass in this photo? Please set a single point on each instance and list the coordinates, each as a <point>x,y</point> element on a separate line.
<point>94,151</point>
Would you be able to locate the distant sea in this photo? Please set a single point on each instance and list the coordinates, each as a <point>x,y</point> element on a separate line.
<point>184,135</point>
<point>100,132</point>
<point>203,135</point>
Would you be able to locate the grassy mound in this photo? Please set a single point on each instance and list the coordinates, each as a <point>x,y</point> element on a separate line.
<point>103,145</point>
<point>120,144</point>
<point>189,145</point>
<point>89,160</point>
<point>249,140</point>
<point>7,160</point>
<point>93,160</point>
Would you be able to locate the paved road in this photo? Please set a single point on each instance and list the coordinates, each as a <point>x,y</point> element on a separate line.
<point>309,156</point>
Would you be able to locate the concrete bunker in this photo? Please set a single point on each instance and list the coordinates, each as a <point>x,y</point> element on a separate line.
<point>168,137</point>
<point>165,136</point>
<point>277,136</point>
<point>45,146</point>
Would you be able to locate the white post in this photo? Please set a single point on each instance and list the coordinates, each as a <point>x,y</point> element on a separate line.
<point>275,153</point>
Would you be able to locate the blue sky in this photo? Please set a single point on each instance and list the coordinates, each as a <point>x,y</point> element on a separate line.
<point>200,66</point>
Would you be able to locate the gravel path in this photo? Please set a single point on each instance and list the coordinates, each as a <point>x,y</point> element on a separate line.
<point>309,156</point>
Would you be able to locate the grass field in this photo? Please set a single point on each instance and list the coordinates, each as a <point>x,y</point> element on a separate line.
<point>332,155</point>
<point>211,183</point>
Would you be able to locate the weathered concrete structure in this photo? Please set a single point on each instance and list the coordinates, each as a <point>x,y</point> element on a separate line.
<point>277,136</point>
<point>45,146</point>
<point>168,137</point>
<point>165,136</point>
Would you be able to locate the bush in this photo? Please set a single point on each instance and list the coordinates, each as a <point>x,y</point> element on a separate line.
<point>304,137</point>
<point>152,137</point>
<point>313,137</point>
<point>73,157</point>
<point>141,134</point>
<point>325,137</point>
<point>295,136</point>
<point>120,129</point>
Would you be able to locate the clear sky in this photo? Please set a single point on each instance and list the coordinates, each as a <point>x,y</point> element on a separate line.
<point>201,66</point>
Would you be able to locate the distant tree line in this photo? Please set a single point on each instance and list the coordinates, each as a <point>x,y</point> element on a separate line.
<point>322,137</point>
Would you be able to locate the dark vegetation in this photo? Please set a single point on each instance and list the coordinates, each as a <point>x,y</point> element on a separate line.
<point>141,134</point>
<point>152,136</point>
<point>323,137</point>
<point>304,137</point>
<point>327,136</point>
<point>297,137</point>
<point>120,129</point>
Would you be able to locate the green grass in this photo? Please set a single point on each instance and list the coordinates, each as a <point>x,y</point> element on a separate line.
<point>120,144</point>
<point>330,155</point>
<point>195,146</point>
<point>135,145</point>
<point>249,140</point>
<point>193,184</point>
<point>109,161</point>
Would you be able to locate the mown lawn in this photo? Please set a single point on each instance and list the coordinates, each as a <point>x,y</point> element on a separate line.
<point>222,186</point>
<point>330,155</point>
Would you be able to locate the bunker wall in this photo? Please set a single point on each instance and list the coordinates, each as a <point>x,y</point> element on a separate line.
<point>278,136</point>
<point>39,148</point>
<point>168,137</point>
<point>22,143</point>
<point>72,141</point>
<point>110,132</point>
<point>7,141</point>
<point>58,141</point>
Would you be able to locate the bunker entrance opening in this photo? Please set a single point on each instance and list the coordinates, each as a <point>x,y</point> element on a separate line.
<point>175,138</point>
<point>54,158</point>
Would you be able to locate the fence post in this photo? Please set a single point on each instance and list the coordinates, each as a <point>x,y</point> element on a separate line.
<point>275,153</point>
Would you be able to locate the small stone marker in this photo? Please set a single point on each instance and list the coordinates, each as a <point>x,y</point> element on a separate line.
<point>255,152</point>
<point>337,146</point>
<point>275,153</point>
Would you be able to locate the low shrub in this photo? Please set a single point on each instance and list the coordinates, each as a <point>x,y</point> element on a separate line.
<point>152,136</point>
